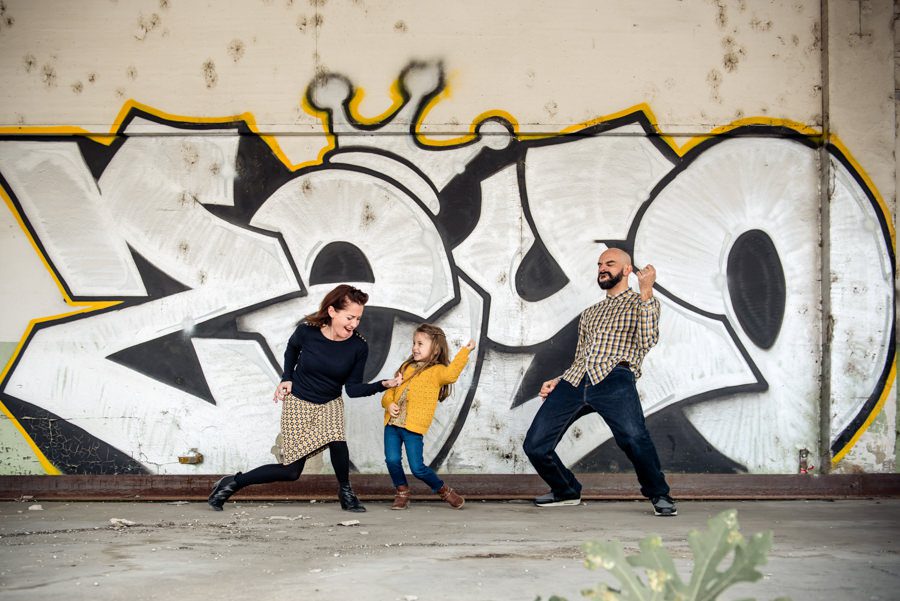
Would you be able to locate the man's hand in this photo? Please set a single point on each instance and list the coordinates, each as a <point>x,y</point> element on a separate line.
<point>646,278</point>
<point>548,387</point>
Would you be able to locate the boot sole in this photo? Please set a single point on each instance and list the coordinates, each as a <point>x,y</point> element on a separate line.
<point>565,503</point>
<point>665,515</point>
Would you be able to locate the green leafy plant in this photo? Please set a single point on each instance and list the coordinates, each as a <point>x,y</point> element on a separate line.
<point>662,581</point>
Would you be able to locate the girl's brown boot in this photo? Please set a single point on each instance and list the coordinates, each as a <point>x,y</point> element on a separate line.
<point>451,496</point>
<point>401,498</point>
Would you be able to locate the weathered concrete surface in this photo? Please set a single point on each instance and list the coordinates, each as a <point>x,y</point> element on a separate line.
<point>488,551</point>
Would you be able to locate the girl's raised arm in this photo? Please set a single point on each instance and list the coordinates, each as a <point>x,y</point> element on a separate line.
<point>449,373</point>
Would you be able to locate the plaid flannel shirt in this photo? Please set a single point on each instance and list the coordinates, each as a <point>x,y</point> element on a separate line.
<point>618,328</point>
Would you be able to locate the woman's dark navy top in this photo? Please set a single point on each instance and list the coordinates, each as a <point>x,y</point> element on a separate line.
<point>318,367</point>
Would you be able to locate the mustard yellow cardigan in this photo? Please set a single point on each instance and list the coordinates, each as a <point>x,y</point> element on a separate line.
<point>422,396</point>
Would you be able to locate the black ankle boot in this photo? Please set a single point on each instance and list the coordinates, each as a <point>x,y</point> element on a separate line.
<point>348,499</point>
<point>223,489</point>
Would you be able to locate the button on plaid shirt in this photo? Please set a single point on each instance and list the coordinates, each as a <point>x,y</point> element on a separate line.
<point>618,328</point>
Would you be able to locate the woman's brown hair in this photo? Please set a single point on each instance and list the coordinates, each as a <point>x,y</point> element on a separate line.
<point>338,298</point>
<point>440,355</point>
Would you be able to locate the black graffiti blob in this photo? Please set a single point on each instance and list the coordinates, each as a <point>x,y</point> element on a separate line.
<point>680,446</point>
<point>170,359</point>
<point>757,287</point>
<point>551,358</point>
<point>341,262</point>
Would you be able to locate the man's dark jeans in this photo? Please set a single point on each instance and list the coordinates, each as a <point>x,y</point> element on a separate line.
<point>616,399</point>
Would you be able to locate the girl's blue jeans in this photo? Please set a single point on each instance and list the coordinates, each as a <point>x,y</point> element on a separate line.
<point>394,439</point>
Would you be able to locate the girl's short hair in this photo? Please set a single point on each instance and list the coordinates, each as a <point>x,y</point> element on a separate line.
<point>339,298</point>
<point>440,355</point>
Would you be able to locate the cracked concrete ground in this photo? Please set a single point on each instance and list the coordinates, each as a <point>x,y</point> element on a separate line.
<point>488,551</point>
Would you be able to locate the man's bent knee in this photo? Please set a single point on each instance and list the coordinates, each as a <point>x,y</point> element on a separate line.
<point>536,452</point>
<point>633,440</point>
<point>528,446</point>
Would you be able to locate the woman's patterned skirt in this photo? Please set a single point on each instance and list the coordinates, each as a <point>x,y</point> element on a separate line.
<point>307,428</point>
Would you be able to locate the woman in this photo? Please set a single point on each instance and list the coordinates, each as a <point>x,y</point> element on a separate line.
<point>324,354</point>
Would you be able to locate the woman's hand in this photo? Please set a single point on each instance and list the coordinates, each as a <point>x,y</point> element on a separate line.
<point>471,344</point>
<point>397,380</point>
<point>394,409</point>
<point>282,390</point>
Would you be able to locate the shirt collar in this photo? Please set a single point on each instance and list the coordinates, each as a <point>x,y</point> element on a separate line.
<point>619,295</point>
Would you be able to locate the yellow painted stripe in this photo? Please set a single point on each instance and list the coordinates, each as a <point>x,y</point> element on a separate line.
<point>885,392</point>
<point>119,120</point>
<point>360,93</point>
<point>247,118</point>
<point>322,116</point>
<point>49,468</point>
<point>885,211</point>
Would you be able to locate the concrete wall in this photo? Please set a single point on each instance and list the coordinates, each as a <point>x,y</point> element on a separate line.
<point>185,180</point>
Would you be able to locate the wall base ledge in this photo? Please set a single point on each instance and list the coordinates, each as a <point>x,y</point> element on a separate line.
<point>494,487</point>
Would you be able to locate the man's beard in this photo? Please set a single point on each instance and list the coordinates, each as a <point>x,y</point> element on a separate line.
<point>611,282</point>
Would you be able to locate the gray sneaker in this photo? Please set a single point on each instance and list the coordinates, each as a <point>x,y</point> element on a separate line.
<point>664,506</point>
<point>551,499</point>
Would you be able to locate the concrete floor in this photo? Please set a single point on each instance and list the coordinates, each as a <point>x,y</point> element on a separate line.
<point>488,551</point>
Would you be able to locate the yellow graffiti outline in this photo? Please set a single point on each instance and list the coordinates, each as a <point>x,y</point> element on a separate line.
<point>892,374</point>
<point>396,104</point>
<point>331,144</point>
<point>445,93</point>
<point>65,130</point>
<point>885,393</point>
<point>885,211</point>
<point>359,94</point>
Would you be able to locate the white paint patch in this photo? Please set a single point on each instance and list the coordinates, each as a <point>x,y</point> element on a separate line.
<point>61,200</point>
<point>400,242</point>
<point>861,300</point>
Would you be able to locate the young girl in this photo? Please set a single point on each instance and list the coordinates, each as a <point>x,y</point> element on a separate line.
<point>409,409</point>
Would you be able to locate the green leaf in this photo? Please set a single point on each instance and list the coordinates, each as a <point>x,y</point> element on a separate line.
<point>747,555</point>
<point>611,558</point>
<point>710,548</point>
<point>662,576</point>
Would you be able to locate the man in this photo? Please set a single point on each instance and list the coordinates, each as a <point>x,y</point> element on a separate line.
<point>613,337</point>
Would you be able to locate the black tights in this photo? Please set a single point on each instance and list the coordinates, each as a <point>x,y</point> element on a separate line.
<point>277,472</point>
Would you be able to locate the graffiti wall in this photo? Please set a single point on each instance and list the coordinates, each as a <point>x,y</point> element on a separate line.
<point>187,248</point>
